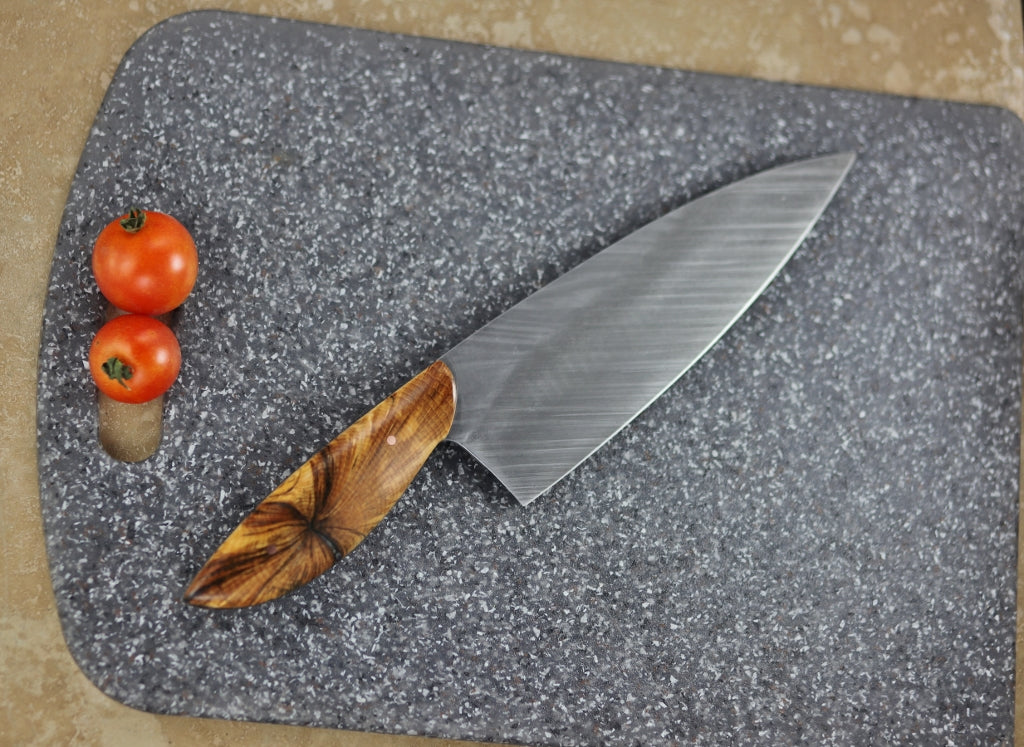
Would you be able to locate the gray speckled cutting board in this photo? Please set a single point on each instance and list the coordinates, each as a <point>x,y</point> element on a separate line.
<point>809,539</point>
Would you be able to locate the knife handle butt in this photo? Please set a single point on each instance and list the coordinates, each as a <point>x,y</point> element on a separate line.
<point>323,510</point>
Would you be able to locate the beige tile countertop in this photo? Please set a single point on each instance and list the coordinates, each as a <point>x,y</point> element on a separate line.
<point>56,60</point>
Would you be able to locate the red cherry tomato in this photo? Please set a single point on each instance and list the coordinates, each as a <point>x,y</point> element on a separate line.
<point>134,358</point>
<point>145,262</point>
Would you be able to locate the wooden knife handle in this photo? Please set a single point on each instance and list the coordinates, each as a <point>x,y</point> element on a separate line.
<point>326,507</point>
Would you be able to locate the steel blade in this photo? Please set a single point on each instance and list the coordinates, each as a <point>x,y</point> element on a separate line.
<point>545,384</point>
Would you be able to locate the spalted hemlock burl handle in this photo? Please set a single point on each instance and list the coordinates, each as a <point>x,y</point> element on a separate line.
<point>326,507</point>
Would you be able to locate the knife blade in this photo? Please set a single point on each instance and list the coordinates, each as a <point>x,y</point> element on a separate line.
<point>537,390</point>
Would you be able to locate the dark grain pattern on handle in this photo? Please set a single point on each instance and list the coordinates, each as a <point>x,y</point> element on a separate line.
<point>326,507</point>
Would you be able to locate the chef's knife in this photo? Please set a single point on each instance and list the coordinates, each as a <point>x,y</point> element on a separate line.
<point>537,390</point>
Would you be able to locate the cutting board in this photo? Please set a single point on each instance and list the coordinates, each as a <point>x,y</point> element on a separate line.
<point>810,538</point>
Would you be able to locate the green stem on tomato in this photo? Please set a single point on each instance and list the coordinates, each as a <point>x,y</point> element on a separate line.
<point>117,370</point>
<point>134,221</point>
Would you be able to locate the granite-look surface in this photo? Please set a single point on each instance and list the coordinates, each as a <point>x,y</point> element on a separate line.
<point>810,538</point>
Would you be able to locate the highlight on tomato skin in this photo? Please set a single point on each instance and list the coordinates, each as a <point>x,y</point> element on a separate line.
<point>134,358</point>
<point>145,262</point>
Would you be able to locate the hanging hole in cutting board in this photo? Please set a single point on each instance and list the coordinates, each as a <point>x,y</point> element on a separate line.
<point>127,432</point>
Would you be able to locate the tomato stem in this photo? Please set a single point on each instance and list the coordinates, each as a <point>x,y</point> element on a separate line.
<point>134,221</point>
<point>117,370</point>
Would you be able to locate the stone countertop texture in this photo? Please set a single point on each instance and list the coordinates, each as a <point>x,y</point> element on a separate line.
<point>59,65</point>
